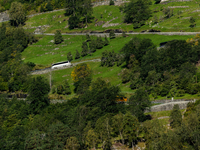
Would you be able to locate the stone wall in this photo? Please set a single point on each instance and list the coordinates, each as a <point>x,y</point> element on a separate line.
<point>4,16</point>
<point>168,106</point>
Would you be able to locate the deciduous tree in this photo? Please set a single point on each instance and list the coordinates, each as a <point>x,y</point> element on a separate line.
<point>17,14</point>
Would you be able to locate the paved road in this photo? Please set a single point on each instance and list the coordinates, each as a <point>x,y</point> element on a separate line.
<point>130,33</point>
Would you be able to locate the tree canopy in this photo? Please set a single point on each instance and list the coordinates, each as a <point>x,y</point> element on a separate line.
<point>17,14</point>
<point>137,12</point>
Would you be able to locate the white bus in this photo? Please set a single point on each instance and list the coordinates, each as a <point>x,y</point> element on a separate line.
<point>61,64</point>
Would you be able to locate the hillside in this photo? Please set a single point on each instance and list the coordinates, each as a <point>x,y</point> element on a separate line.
<point>110,17</point>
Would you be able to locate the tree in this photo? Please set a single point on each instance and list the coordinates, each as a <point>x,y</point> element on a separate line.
<point>69,56</point>
<point>138,103</point>
<point>56,136</point>
<point>91,139</point>
<point>192,22</point>
<point>175,117</point>
<point>102,95</point>
<point>112,34</point>
<point>137,47</point>
<point>38,94</point>
<point>111,2</point>
<point>84,49</point>
<point>99,43</point>
<point>58,37</point>
<point>106,42</point>
<point>92,46</point>
<point>137,12</point>
<point>81,74</point>
<point>88,37</point>
<point>79,11</point>
<point>49,7</point>
<point>72,144</point>
<point>17,14</point>
<point>73,22</point>
<point>77,56</point>
<point>117,124</point>
<point>124,34</point>
<point>130,127</point>
<point>67,89</point>
<point>33,140</point>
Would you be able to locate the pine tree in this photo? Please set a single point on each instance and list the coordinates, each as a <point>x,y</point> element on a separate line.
<point>58,37</point>
<point>192,21</point>
<point>112,2</point>
<point>92,46</point>
<point>49,7</point>
<point>84,49</point>
<point>175,117</point>
<point>112,34</point>
<point>99,43</point>
<point>69,56</point>
<point>77,56</point>
<point>88,38</point>
<point>106,42</point>
<point>123,34</point>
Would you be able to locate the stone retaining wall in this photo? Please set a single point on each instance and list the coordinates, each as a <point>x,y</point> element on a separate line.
<point>168,106</point>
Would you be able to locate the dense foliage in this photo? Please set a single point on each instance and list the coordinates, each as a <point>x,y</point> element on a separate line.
<point>169,71</point>
<point>17,14</point>
<point>137,12</point>
<point>80,13</point>
<point>13,72</point>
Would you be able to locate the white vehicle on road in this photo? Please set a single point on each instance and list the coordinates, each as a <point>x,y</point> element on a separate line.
<point>61,64</point>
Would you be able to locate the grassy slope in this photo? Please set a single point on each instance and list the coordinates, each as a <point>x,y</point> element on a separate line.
<point>177,22</point>
<point>41,52</point>
<point>44,53</point>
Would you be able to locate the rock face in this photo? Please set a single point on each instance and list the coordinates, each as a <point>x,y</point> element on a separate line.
<point>4,16</point>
